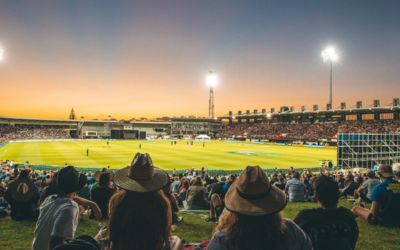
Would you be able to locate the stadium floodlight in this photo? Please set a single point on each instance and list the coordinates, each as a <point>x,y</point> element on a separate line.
<point>2,52</point>
<point>330,55</point>
<point>211,81</point>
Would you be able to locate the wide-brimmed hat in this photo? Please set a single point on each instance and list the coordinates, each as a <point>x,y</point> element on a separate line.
<point>141,175</point>
<point>385,171</point>
<point>22,189</point>
<point>253,194</point>
<point>69,180</point>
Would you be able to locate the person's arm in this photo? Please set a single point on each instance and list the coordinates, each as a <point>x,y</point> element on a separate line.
<point>345,190</point>
<point>87,203</point>
<point>374,208</point>
<point>287,188</point>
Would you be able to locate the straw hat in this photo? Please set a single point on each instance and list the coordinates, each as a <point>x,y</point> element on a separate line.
<point>141,176</point>
<point>22,190</point>
<point>252,194</point>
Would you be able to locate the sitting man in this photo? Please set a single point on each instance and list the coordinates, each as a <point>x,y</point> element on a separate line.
<point>365,190</point>
<point>350,186</point>
<point>59,213</point>
<point>23,196</point>
<point>295,188</point>
<point>329,227</point>
<point>385,201</point>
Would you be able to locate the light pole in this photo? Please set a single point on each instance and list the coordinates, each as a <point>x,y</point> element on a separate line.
<point>211,81</point>
<point>329,55</point>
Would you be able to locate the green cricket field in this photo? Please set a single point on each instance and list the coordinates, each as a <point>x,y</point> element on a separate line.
<point>210,154</point>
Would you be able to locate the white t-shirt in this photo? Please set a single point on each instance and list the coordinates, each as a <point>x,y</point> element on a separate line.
<point>59,216</point>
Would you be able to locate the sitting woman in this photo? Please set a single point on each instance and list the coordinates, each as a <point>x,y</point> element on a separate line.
<point>183,187</point>
<point>140,214</point>
<point>196,197</point>
<point>252,219</point>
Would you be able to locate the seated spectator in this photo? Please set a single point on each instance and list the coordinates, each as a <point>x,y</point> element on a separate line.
<point>252,219</point>
<point>102,193</point>
<point>59,213</point>
<point>175,184</point>
<point>23,196</point>
<point>4,210</point>
<point>181,195</point>
<point>216,208</point>
<point>281,184</point>
<point>365,190</point>
<point>295,188</point>
<point>227,184</point>
<point>217,188</point>
<point>341,181</point>
<point>174,204</point>
<point>50,189</point>
<point>349,186</point>
<point>309,189</point>
<point>385,201</point>
<point>140,213</point>
<point>196,197</point>
<point>329,227</point>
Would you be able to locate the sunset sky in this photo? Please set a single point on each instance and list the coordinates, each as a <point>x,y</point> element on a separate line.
<point>149,58</point>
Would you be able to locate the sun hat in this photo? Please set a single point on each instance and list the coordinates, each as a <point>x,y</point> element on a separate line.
<point>253,194</point>
<point>69,180</point>
<point>23,188</point>
<point>141,176</point>
<point>385,171</point>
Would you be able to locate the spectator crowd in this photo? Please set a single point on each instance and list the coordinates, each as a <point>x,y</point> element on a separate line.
<point>139,205</point>
<point>30,132</point>
<point>306,132</point>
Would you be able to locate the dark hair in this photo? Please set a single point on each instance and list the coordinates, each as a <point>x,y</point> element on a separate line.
<point>139,220</point>
<point>24,174</point>
<point>371,174</point>
<point>104,179</point>
<point>251,232</point>
<point>326,191</point>
<point>197,181</point>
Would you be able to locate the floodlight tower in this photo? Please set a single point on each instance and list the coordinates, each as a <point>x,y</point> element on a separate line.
<point>211,81</point>
<point>329,55</point>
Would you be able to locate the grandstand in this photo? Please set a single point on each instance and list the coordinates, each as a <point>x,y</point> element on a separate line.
<point>358,112</point>
<point>317,125</point>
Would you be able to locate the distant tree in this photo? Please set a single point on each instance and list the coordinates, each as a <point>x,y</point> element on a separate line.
<point>72,115</point>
